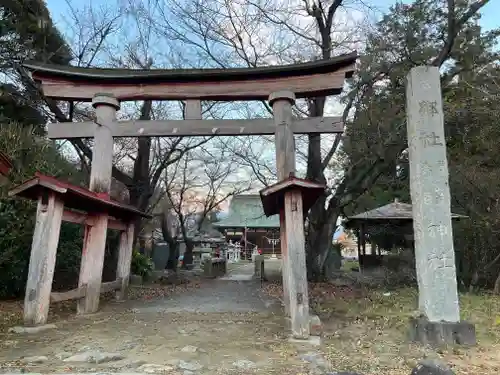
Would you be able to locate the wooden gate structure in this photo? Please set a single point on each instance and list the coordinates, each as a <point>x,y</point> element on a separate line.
<point>281,85</point>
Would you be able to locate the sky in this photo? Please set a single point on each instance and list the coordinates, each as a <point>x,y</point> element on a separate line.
<point>59,8</point>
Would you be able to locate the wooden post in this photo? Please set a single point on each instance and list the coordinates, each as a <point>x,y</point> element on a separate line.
<point>43,259</point>
<point>285,164</point>
<point>100,182</point>
<point>297,284</point>
<point>124,260</point>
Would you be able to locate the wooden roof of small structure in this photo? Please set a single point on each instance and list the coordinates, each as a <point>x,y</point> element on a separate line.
<point>395,211</point>
<point>246,211</point>
<point>74,197</point>
<point>273,196</point>
<point>322,77</point>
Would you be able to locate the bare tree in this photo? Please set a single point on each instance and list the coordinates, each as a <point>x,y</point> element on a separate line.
<point>253,33</point>
<point>195,186</point>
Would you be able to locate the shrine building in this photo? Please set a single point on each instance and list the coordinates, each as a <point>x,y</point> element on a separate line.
<point>247,224</point>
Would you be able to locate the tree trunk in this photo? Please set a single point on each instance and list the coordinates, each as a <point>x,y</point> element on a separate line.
<point>140,192</point>
<point>188,254</point>
<point>173,256</point>
<point>173,245</point>
<point>321,224</point>
<point>474,281</point>
<point>496,289</point>
<point>319,242</point>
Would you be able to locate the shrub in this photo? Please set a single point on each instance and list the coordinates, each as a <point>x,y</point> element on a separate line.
<point>141,264</point>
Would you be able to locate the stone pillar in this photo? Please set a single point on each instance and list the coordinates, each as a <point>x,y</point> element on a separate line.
<point>282,103</point>
<point>430,195</point>
<point>100,182</point>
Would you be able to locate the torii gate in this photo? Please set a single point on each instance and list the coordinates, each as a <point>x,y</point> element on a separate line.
<point>281,85</point>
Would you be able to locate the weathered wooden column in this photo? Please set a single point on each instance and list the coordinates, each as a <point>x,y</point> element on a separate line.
<point>430,194</point>
<point>297,271</point>
<point>282,103</point>
<point>42,259</point>
<point>100,182</point>
<point>125,260</point>
<point>291,220</point>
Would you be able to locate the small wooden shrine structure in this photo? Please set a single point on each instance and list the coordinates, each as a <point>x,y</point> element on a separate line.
<point>59,201</point>
<point>281,85</point>
<point>395,218</point>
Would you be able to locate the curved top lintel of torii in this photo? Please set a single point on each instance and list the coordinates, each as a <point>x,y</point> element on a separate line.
<point>315,78</point>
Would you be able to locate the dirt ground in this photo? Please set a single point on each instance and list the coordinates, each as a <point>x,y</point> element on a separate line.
<point>210,327</point>
<point>234,326</point>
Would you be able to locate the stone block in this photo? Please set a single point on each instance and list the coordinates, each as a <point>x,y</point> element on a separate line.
<point>135,279</point>
<point>214,267</point>
<point>259,266</point>
<point>315,325</point>
<point>432,367</point>
<point>35,329</point>
<point>441,333</point>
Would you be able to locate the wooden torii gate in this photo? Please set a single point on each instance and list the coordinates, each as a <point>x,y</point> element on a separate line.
<point>281,85</point>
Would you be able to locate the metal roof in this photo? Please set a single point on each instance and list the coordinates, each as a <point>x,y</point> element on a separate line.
<point>247,211</point>
<point>391,211</point>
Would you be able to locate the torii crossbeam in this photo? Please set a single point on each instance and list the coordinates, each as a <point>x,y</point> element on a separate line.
<point>281,85</point>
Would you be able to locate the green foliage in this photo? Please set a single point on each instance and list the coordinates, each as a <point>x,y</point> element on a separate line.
<point>375,142</point>
<point>30,33</point>
<point>141,264</point>
<point>17,216</point>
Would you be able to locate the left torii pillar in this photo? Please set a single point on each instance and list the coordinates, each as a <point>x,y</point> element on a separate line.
<point>100,182</point>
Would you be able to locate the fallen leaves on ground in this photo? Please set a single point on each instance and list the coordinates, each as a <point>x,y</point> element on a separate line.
<point>11,312</point>
<point>149,292</point>
<point>366,330</point>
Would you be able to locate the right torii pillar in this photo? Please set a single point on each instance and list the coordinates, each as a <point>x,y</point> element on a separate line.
<point>287,198</point>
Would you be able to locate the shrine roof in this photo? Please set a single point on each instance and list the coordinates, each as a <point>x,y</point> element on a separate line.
<point>74,197</point>
<point>246,211</point>
<point>116,75</point>
<point>396,211</point>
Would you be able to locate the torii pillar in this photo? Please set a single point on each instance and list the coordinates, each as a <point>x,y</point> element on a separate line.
<point>282,103</point>
<point>291,198</point>
<point>100,182</point>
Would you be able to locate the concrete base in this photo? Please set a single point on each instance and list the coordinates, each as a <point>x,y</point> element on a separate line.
<point>312,341</point>
<point>441,333</point>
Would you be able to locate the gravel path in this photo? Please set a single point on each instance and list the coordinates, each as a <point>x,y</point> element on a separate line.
<point>237,292</point>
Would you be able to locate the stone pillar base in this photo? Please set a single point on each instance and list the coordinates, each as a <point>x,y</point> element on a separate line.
<point>441,333</point>
<point>315,325</point>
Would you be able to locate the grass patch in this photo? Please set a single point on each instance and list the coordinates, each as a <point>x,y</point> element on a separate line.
<point>366,331</point>
<point>349,264</point>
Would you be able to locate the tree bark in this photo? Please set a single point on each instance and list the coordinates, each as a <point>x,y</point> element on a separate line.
<point>321,225</point>
<point>187,260</point>
<point>140,190</point>
<point>496,289</point>
<point>173,245</point>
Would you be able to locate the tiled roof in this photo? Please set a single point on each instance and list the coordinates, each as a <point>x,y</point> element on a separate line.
<point>247,211</point>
